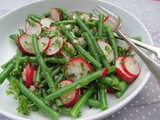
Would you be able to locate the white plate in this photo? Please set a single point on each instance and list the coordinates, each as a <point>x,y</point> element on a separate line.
<point>15,19</point>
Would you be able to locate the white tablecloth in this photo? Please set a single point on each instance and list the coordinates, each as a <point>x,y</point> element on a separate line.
<point>146,105</point>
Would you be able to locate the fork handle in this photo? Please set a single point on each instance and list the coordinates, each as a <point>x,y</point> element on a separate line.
<point>147,46</point>
<point>153,66</point>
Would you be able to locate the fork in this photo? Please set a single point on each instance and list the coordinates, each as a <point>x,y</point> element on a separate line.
<point>115,23</point>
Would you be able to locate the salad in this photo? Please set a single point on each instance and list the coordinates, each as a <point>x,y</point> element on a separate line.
<point>65,61</point>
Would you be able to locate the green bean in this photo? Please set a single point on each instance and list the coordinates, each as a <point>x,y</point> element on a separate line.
<point>97,47</point>
<point>79,48</point>
<point>103,99</point>
<point>29,20</point>
<point>56,71</point>
<point>91,24</point>
<point>111,38</point>
<point>79,83</point>
<point>80,103</point>
<point>42,64</point>
<point>119,94</point>
<point>44,92</point>
<point>47,60</point>
<point>7,63</point>
<point>4,74</point>
<point>14,37</point>
<point>64,22</point>
<point>91,46</point>
<point>39,103</point>
<point>60,78</point>
<point>46,15</point>
<point>93,103</point>
<point>66,111</point>
<point>66,13</point>
<point>114,82</point>
<point>100,26</point>
<point>21,31</point>
<point>38,75</point>
<point>34,18</point>
<point>137,38</point>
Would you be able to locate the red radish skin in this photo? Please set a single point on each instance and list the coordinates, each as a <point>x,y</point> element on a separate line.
<point>46,22</point>
<point>36,28</point>
<point>111,90</point>
<point>107,50</point>
<point>25,44</point>
<point>55,46</point>
<point>77,68</point>
<point>55,14</point>
<point>121,72</point>
<point>28,75</point>
<point>106,18</point>
<point>104,72</point>
<point>70,98</point>
<point>44,43</point>
<point>131,66</point>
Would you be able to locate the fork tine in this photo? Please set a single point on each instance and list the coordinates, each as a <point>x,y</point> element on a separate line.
<point>100,11</point>
<point>104,10</point>
<point>95,13</point>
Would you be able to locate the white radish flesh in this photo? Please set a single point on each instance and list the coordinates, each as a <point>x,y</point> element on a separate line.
<point>25,44</point>
<point>55,14</point>
<point>46,22</point>
<point>82,15</point>
<point>36,28</point>
<point>44,43</point>
<point>77,68</point>
<point>68,50</point>
<point>131,66</point>
<point>107,50</point>
<point>120,71</point>
<point>70,98</point>
<point>55,46</point>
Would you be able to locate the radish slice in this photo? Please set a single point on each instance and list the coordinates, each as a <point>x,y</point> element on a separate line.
<point>82,15</point>
<point>46,22</point>
<point>131,66</point>
<point>44,43</point>
<point>25,44</point>
<point>106,18</point>
<point>53,28</point>
<point>107,50</point>
<point>80,41</point>
<point>94,18</point>
<point>36,28</point>
<point>104,72</point>
<point>120,71</point>
<point>28,75</point>
<point>26,25</point>
<point>70,98</point>
<point>122,44</point>
<point>68,50</point>
<point>55,46</point>
<point>77,68</point>
<point>55,14</point>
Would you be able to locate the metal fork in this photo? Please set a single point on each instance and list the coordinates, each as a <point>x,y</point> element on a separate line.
<point>114,22</point>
